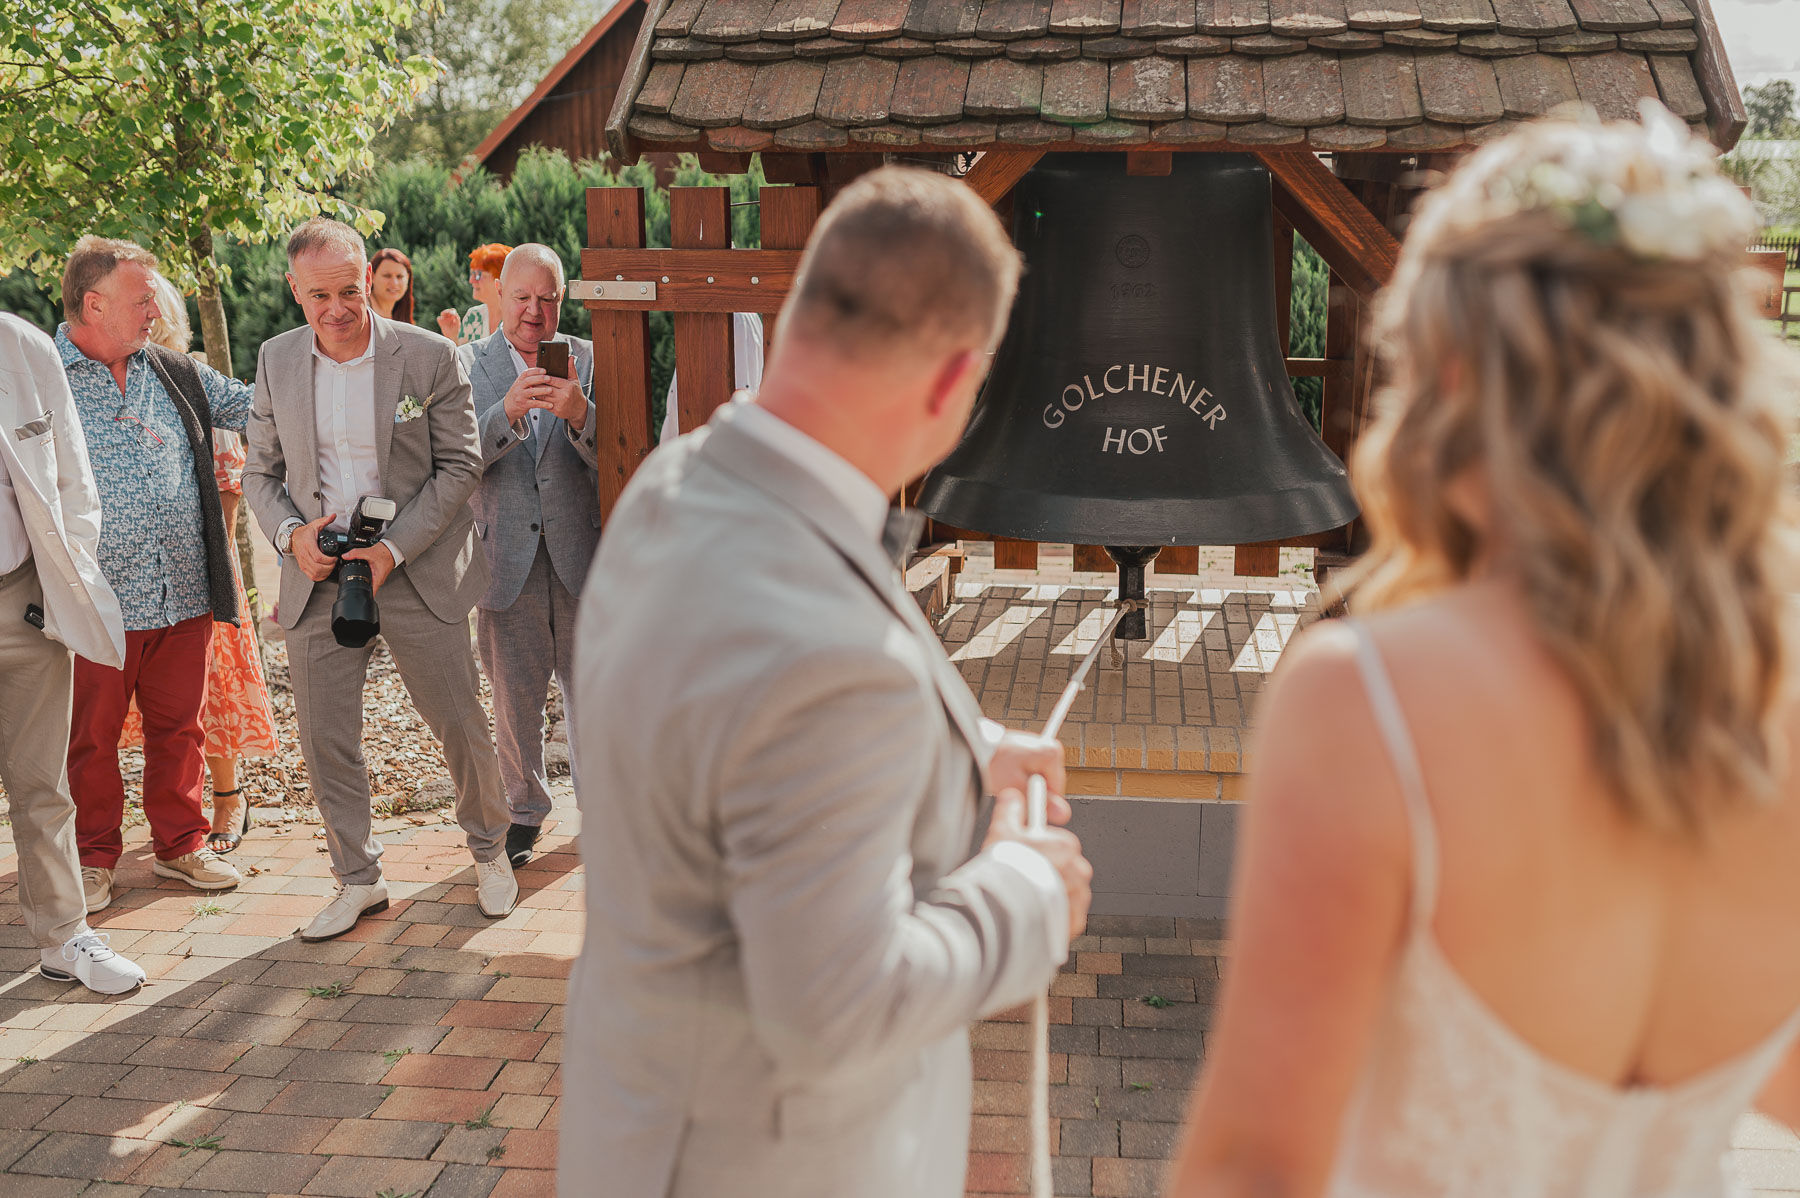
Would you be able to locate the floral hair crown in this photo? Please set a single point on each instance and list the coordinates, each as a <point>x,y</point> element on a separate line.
<point>1651,189</point>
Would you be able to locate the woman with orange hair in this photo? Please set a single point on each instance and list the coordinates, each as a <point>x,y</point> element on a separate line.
<point>1516,910</point>
<point>484,279</point>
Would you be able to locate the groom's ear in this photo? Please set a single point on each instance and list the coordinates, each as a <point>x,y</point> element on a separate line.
<point>293,288</point>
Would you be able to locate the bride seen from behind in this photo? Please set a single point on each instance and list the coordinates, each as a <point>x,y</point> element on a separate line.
<point>1517,909</point>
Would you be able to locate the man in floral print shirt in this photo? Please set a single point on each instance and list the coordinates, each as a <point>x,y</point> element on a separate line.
<point>149,415</point>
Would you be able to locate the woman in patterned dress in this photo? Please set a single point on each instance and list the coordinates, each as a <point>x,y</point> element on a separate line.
<point>484,280</point>
<point>237,720</point>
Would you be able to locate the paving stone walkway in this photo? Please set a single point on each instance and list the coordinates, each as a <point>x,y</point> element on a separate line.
<point>417,1055</point>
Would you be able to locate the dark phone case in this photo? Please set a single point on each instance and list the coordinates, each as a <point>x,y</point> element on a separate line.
<point>553,356</point>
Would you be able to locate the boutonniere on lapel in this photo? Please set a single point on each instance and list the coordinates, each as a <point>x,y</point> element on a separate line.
<point>411,408</point>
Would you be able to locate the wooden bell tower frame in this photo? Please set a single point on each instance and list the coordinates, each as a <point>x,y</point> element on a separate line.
<point>1349,220</point>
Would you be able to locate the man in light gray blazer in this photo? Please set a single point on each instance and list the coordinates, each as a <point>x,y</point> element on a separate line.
<point>351,406</point>
<point>788,936</point>
<point>537,512</point>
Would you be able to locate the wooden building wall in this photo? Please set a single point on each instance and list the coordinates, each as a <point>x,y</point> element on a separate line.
<point>571,116</point>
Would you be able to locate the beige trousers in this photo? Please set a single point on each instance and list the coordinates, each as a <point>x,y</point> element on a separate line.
<point>437,664</point>
<point>36,679</point>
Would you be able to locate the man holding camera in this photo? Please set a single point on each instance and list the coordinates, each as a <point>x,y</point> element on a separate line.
<point>352,410</point>
<point>537,511</point>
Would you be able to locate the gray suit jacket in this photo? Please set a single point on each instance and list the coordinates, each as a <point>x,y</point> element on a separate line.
<point>429,465</point>
<point>779,781</point>
<point>558,489</point>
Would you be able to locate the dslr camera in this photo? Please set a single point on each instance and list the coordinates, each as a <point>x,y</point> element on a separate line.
<point>355,619</point>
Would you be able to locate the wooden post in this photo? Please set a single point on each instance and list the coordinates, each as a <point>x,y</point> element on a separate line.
<point>1092,558</point>
<point>1014,555</point>
<point>1342,316</point>
<point>1284,283</point>
<point>615,217</point>
<point>700,219</point>
<point>788,217</point>
<point>1260,560</point>
<point>1177,559</point>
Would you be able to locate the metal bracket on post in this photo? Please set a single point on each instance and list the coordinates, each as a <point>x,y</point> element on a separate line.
<point>636,290</point>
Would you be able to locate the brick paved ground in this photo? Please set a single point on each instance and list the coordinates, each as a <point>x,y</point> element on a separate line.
<point>420,1055</point>
<point>417,1055</point>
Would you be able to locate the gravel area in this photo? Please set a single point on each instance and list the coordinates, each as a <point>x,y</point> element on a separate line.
<point>406,763</point>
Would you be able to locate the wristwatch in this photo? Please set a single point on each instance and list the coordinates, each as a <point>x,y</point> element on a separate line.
<point>284,539</point>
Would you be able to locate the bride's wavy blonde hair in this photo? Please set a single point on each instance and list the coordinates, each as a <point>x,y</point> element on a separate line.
<point>1626,418</point>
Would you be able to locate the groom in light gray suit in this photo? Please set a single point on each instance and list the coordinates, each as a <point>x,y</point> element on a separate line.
<point>537,512</point>
<point>349,406</point>
<point>788,935</point>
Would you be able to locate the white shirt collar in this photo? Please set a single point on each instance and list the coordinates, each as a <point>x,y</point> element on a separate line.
<point>367,354</point>
<point>867,506</point>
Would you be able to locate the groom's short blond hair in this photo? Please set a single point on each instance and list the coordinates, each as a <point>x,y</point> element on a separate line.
<point>904,259</point>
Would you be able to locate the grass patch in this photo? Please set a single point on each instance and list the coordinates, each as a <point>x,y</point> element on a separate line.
<point>209,1142</point>
<point>1154,1000</point>
<point>392,1055</point>
<point>334,990</point>
<point>484,1119</point>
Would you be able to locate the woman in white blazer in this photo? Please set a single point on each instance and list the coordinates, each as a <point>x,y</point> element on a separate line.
<point>53,602</point>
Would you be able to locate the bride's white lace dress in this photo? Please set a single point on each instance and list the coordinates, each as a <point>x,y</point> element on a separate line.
<point>1453,1104</point>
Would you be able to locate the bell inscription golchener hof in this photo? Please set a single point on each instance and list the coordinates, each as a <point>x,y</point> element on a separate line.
<point>1141,397</point>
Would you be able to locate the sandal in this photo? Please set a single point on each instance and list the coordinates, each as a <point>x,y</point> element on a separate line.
<point>224,842</point>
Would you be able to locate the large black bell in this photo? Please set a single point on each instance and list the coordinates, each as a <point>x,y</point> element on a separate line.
<point>1140,397</point>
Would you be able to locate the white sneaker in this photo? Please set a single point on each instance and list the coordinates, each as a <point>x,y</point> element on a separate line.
<point>202,869</point>
<point>87,959</point>
<point>350,904</point>
<point>96,888</point>
<point>496,890</point>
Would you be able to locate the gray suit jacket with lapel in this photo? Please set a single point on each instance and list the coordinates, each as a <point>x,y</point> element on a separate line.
<point>429,465</point>
<point>787,937</point>
<point>555,485</point>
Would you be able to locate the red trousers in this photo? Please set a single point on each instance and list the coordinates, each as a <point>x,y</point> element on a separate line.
<point>165,669</point>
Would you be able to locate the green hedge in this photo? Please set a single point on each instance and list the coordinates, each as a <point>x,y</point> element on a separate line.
<point>436,218</point>
<point>1307,330</point>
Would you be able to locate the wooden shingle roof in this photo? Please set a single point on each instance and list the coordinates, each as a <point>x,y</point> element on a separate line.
<point>802,75</point>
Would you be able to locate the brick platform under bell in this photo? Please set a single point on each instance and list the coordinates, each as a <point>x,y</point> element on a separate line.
<point>1156,757</point>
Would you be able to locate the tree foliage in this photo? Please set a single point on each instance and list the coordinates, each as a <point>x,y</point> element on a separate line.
<point>1306,330</point>
<point>494,52</point>
<point>436,219</point>
<point>1770,109</point>
<point>169,122</point>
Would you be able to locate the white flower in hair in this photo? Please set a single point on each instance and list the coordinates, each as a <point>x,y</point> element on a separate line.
<point>1653,192</point>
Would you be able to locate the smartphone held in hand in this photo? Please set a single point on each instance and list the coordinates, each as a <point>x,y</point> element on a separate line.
<point>553,357</point>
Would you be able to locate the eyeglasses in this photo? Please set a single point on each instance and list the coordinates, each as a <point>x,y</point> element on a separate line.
<point>146,435</point>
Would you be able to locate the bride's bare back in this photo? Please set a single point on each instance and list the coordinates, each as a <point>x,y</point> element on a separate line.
<point>1632,955</point>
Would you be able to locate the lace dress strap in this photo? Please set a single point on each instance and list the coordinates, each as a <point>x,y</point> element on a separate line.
<point>1395,734</point>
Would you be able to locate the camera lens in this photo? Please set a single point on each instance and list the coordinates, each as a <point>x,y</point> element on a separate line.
<point>354,617</point>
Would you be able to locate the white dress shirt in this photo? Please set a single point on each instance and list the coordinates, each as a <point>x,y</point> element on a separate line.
<point>15,547</point>
<point>747,371</point>
<point>344,422</point>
